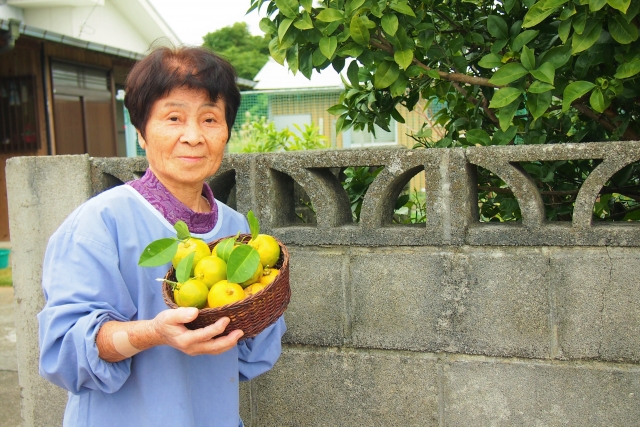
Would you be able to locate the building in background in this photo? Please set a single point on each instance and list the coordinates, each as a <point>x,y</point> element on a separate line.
<point>288,99</point>
<point>62,69</point>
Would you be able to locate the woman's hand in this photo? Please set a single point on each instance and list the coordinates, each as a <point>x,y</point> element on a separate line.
<point>117,341</point>
<point>169,326</point>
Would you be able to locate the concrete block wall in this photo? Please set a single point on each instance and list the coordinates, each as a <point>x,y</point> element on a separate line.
<point>449,323</point>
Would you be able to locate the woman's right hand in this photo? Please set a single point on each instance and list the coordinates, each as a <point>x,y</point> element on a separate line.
<point>170,329</point>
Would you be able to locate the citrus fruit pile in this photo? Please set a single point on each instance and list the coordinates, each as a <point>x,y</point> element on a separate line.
<point>210,278</point>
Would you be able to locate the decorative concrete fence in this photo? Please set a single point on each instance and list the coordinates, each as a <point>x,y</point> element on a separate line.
<point>449,323</point>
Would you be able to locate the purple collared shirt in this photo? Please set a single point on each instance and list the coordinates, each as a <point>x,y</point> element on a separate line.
<point>173,209</point>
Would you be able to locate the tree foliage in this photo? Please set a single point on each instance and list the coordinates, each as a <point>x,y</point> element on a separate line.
<point>247,53</point>
<point>504,71</point>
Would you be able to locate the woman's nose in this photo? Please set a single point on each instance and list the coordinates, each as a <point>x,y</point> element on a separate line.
<point>192,134</point>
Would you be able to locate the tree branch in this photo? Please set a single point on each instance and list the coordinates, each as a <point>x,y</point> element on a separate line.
<point>451,77</point>
<point>629,134</point>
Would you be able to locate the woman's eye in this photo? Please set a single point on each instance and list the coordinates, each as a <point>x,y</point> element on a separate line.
<point>173,119</point>
<point>209,120</point>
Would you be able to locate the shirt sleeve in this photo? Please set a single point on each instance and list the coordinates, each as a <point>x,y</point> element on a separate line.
<point>83,289</point>
<point>258,355</point>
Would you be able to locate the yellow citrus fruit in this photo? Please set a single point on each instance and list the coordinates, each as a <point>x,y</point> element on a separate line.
<point>253,279</point>
<point>268,249</point>
<point>223,293</point>
<point>254,289</point>
<point>198,246</point>
<point>210,270</point>
<point>192,293</point>
<point>267,277</point>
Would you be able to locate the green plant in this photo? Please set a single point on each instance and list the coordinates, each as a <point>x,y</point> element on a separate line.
<point>356,183</point>
<point>505,72</point>
<point>411,208</point>
<point>261,136</point>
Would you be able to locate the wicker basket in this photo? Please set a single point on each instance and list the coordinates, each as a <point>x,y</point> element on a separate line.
<point>251,315</point>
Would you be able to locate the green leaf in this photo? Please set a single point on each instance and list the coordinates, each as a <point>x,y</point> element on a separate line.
<point>556,56</point>
<point>490,60</point>
<point>508,73</point>
<point>307,5</point>
<point>568,12</point>
<point>622,31</point>
<point>403,8</point>
<point>579,22</point>
<point>398,88</point>
<point>328,46</point>
<point>528,58</point>
<point>353,5</point>
<point>389,23</point>
<point>628,69</point>
<point>434,74</point>
<point>292,59</point>
<point>386,73</point>
<point>508,5</point>
<point>182,230</point>
<point>183,270</point>
<point>553,4</point>
<point>574,91</point>
<point>330,15</point>
<point>303,23</point>
<point>359,31</point>
<point>539,87</point>
<point>501,137</point>
<point>497,27</point>
<point>589,36</point>
<point>283,27</point>
<point>621,5</point>
<point>254,225</point>
<point>536,15</point>
<point>523,38</point>
<point>538,103</point>
<point>243,263</point>
<point>478,137</point>
<point>335,110</point>
<point>350,49</point>
<point>564,29</point>
<point>504,96</point>
<point>352,74</point>
<point>225,247</point>
<point>506,113</point>
<point>276,53</point>
<point>598,101</point>
<point>596,5</point>
<point>267,26</point>
<point>159,252</point>
<point>288,8</point>
<point>403,58</point>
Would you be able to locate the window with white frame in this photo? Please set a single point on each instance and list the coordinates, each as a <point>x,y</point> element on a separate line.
<point>362,138</point>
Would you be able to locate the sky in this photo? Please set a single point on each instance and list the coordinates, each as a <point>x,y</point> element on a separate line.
<point>192,19</point>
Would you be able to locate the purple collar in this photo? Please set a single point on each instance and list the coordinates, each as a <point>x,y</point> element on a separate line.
<point>173,209</point>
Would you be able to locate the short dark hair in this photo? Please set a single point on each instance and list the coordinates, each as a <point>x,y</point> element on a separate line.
<point>165,69</point>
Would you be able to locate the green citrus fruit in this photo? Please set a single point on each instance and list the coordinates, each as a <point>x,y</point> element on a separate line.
<point>192,293</point>
<point>268,249</point>
<point>223,293</point>
<point>210,270</point>
<point>198,246</point>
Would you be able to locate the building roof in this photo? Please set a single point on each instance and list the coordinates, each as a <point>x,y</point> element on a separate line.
<point>122,27</point>
<point>275,76</point>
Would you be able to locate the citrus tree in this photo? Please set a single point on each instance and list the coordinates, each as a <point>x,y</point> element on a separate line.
<point>503,72</point>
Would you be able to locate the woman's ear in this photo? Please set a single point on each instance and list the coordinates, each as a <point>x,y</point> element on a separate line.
<point>141,142</point>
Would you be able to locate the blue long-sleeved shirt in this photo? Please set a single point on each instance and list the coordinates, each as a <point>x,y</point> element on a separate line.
<point>91,276</point>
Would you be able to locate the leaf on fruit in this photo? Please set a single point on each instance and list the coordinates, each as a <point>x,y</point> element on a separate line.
<point>182,230</point>
<point>183,271</point>
<point>243,263</point>
<point>225,247</point>
<point>158,252</point>
<point>254,225</point>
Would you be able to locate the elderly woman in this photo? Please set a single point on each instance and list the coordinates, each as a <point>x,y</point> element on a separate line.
<point>106,334</point>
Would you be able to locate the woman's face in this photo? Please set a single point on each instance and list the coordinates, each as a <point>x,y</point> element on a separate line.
<point>185,137</point>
